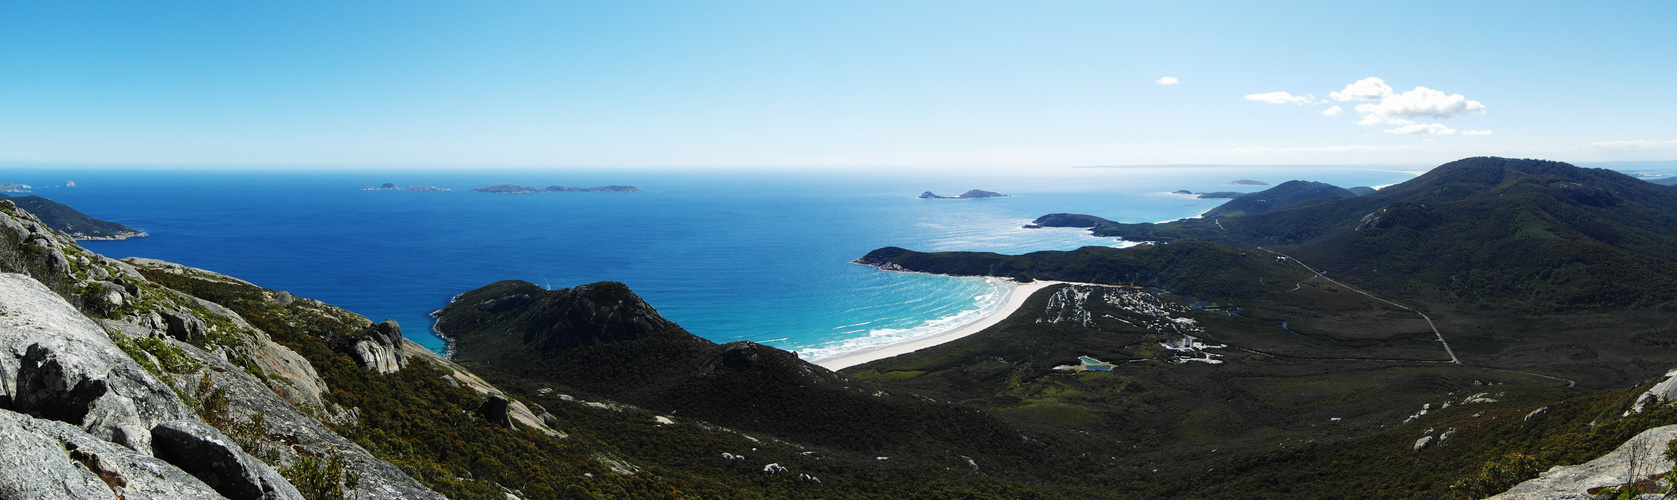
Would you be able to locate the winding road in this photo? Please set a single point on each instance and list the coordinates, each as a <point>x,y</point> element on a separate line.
<point>1453,359</point>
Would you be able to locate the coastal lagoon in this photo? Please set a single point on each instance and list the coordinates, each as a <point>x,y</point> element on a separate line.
<point>755,255</point>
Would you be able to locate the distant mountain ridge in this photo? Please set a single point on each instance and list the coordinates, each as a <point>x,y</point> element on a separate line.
<point>1545,232</point>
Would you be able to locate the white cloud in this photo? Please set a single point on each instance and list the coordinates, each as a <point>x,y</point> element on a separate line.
<point>1377,119</point>
<point>1281,98</point>
<point>1367,89</point>
<point>1421,102</point>
<point>1169,80</point>
<point>1333,111</point>
<point>1635,144</point>
<point>1422,129</point>
<point>1476,132</point>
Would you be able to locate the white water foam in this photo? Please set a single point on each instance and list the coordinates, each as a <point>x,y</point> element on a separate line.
<point>983,306</point>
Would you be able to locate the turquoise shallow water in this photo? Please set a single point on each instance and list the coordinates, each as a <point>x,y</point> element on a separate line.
<point>730,255</point>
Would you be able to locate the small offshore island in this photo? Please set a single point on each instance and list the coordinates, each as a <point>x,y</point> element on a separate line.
<point>516,189</point>
<point>973,194</point>
<point>388,186</point>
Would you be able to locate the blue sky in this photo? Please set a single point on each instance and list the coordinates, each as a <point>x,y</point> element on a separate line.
<point>1011,86</point>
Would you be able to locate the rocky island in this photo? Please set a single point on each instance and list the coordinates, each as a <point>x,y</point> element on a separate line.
<point>517,189</point>
<point>1211,195</point>
<point>973,194</point>
<point>1247,182</point>
<point>389,186</point>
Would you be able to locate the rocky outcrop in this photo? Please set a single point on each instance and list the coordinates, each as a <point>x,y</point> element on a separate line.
<point>294,378</point>
<point>213,458</point>
<point>58,361</point>
<point>1642,458</point>
<point>516,411</point>
<point>288,434</point>
<point>52,459</point>
<point>1665,390</point>
<point>28,246</point>
<point>494,410</point>
<point>380,349</point>
<point>65,368</point>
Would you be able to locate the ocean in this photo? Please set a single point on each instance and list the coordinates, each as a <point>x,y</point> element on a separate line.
<point>757,255</point>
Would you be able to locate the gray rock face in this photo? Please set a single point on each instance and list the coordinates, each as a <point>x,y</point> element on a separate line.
<point>29,246</point>
<point>51,459</point>
<point>212,457</point>
<point>1640,458</point>
<point>1665,391</point>
<point>185,326</point>
<point>35,466</point>
<point>290,433</point>
<point>297,380</point>
<point>67,369</point>
<point>72,372</point>
<point>381,349</point>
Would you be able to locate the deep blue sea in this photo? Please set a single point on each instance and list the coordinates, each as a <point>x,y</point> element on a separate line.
<point>730,255</point>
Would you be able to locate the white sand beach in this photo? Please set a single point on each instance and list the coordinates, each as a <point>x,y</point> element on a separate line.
<point>1015,299</point>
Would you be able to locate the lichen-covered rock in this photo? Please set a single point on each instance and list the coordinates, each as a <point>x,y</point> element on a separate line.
<point>288,433</point>
<point>294,378</point>
<point>218,461</point>
<point>35,466</point>
<point>28,246</point>
<point>67,369</point>
<point>51,459</point>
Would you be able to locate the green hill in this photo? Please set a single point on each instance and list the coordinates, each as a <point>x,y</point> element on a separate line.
<point>76,224</point>
<point>1282,196</point>
<point>602,341</point>
<point>1551,283</point>
<point>1529,234</point>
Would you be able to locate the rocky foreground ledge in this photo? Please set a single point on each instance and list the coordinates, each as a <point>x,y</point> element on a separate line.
<point>84,420</point>
<point>113,386</point>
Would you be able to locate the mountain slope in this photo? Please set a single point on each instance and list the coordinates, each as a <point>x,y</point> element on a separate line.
<point>72,222</point>
<point>602,340</point>
<point>1529,234</point>
<point>1281,196</point>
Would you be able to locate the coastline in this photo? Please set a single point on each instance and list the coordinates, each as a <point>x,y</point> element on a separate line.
<point>1015,299</point>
